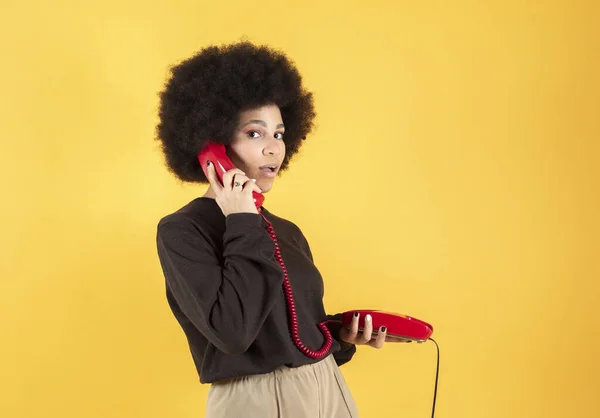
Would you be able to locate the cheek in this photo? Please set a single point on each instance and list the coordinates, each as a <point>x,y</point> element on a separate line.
<point>234,153</point>
<point>282,149</point>
<point>243,156</point>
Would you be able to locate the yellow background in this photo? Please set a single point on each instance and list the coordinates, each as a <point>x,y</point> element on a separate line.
<point>453,176</point>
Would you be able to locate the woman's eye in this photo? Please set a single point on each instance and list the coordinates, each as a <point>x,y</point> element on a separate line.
<point>253,134</point>
<point>279,135</point>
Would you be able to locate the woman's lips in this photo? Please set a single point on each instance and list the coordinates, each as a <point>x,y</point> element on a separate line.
<point>269,171</point>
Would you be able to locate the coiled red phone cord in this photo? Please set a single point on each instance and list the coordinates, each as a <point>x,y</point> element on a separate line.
<point>289,296</point>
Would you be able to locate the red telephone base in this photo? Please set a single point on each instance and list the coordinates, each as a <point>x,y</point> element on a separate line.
<point>398,326</point>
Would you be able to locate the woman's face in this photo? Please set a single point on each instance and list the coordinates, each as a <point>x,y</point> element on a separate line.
<point>257,146</point>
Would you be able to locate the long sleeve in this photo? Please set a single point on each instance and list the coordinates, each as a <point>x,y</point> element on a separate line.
<point>347,351</point>
<point>227,296</point>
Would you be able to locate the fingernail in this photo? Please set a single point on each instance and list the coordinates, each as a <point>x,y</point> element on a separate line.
<point>368,317</point>
<point>356,314</point>
<point>254,180</point>
<point>383,329</point>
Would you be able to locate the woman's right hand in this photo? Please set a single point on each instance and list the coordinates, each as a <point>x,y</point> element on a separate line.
<point>235,194</point>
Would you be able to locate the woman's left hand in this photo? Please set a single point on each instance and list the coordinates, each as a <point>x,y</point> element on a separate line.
<point>353,336</point>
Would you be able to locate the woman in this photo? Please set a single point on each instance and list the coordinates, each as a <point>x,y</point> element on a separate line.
<point>222,268</point>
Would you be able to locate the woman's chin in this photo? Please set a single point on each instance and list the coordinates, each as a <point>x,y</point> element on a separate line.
<point>265,186</point>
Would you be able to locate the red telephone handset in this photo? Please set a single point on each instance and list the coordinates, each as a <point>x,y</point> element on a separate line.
<point>216,154</point>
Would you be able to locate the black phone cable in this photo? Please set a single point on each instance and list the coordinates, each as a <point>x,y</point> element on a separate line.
<point>437,373</point>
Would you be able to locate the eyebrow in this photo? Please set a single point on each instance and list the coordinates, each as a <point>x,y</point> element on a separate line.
<point>263,123</point>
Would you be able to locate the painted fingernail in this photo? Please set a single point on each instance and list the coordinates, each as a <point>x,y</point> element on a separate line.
<point>356,314</point>
<point>383,329</point>
<point>368,318</point>
<point>254,180</point>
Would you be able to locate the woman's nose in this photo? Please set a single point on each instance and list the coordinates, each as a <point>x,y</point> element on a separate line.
<point>271,148</point>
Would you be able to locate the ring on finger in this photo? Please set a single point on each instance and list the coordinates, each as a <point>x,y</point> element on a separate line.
<point>236,184</point>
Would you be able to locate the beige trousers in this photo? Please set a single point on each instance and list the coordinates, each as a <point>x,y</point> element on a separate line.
<point>312,391</point>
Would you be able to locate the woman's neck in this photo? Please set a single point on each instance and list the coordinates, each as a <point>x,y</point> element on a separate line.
<point>210,193</point>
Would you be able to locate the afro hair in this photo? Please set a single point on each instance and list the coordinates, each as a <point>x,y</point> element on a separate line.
<point>205,94</point>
